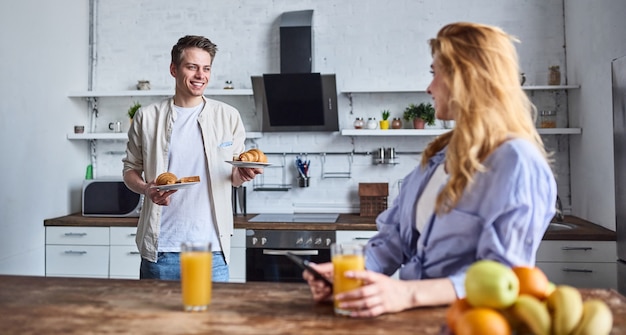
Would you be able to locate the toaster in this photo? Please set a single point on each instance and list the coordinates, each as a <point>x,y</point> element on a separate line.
<point>110,198</point>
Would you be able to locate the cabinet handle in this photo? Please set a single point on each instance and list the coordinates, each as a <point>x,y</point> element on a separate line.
<point>295,252</point>
<point>576,248</point>
<point>134,253</point>
<point>132,235</point>
<point>75,234</point>
<point>362,238</point>
<point>577,270</point>
<point>73,252</point>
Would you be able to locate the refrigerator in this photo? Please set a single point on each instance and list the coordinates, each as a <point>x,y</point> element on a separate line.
<point>618,70</point>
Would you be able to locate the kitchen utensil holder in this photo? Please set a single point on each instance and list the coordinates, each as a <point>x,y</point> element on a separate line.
<point>303,181</point>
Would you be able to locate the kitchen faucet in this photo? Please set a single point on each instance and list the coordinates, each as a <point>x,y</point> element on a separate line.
<point>558,217</point>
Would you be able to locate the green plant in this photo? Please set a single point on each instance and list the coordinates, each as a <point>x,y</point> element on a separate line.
<point>424,111</point>
<point>133,109</point>
<point>385,114</point>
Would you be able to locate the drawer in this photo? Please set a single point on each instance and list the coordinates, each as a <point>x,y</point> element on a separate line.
<point>354,235</point>
<point>237,265</point>
<point>77,235</point>
<point>125,261</point>
<point>585,275</point>
<point>238,240</point>
<point>123,235</point>
<point>77,261</point>
<point>577,251</point>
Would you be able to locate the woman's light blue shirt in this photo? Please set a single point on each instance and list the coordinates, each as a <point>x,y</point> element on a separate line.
<point>502,216</point>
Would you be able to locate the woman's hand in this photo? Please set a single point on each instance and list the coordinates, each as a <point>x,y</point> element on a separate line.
<point>320,290</point>
<point>379,294</point>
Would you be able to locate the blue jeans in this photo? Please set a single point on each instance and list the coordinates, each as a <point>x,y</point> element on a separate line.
<point>167,267</point>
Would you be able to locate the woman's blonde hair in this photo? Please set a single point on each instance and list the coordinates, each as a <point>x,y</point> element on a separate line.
<point>479,65</point>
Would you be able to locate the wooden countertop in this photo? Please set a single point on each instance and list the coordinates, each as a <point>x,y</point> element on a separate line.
<point>584,231</point>
<point>48,305</point>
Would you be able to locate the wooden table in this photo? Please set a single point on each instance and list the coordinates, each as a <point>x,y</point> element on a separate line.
<point>46,305</point>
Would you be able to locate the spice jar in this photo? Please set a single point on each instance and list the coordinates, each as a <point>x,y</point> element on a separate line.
<point>359,123</point>
<point>396,123</point>
<point>547,119</point>
<point>555,75</point>
<point>371,123</point>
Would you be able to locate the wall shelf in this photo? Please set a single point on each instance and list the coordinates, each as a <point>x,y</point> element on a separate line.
<point>124,136</point>
<point>154,93</point>
<point>408,90</point>
<point>436,132</point>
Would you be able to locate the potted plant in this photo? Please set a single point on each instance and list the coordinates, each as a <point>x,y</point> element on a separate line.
<point>133,109</point>
<point>422,114</point>
<point>384,123</point>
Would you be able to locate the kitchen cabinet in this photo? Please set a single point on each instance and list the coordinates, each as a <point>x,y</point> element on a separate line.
<point>237,266</point>
<point>77,252</point>
<point>362,236</point>
<point>124,256</point>
<point>92,252</point>
<point>588,264</point>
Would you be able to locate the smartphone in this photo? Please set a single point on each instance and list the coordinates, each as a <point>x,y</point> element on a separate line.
<point>304,264</point>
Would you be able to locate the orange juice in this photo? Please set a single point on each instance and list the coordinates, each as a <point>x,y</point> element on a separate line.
<point>341,264</point>
<point>195,277</point>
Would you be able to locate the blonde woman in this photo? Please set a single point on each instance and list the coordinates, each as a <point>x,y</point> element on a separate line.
<point>484,190</point>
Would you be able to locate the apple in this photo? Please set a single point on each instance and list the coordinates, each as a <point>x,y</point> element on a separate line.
<point>491,284</point>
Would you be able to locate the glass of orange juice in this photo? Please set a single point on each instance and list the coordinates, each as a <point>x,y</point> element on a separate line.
<point>346,257</point>
<point>195,275</point>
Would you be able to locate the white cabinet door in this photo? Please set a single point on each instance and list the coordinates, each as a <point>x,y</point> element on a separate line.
<point>579,274</point>
<point>125,261</point>
<point>237,266</point>
<point>587,264</point>
<point>123,235</point>
<point>125,258</point>
<point>77,261</point>
<point>77,235</point>
<point>343,236</point>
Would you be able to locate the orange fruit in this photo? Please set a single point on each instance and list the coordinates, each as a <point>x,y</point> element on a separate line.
<point>482,321</point>
<point>454,312</point>
<point>532,281</point>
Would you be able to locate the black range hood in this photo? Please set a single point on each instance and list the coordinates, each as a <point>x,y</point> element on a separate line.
<point>296,99</point>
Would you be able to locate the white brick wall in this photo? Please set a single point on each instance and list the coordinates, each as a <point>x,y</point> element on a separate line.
<point>369,44</point>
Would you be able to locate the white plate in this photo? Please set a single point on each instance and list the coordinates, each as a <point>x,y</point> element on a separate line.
<point>177,186</point>
<point>248,164</point>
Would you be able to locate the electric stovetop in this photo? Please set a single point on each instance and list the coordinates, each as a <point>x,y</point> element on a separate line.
<point>296,217</point>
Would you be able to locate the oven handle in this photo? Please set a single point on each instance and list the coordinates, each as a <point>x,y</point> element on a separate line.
<point>295,252</point>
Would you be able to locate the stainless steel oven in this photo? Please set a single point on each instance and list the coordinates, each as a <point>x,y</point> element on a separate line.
<point>266,249</point>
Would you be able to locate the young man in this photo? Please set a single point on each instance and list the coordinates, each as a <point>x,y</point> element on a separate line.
<point>188,135</point>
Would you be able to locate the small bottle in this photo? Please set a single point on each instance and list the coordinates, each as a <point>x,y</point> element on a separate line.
<point>547,119</point>
<point>359,123</point>
<point>555,75</point>
<point>396,123</point>
<point>371,123</point>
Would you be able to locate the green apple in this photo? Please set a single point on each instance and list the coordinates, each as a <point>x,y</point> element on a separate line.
<point>491,284</point>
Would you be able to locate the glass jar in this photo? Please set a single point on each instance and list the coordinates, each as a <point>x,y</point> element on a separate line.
<point>371,123</point>
<point>555,75</point>
<point>359,123</point>
<point>547,119</point>
<point>396,123</point>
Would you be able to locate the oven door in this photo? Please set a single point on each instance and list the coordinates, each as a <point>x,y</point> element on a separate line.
<point>266,251</point>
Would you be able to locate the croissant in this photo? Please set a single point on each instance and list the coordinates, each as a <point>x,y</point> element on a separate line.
<point>261,158</point>
<point>253,155</point>
<point>166,178</point>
